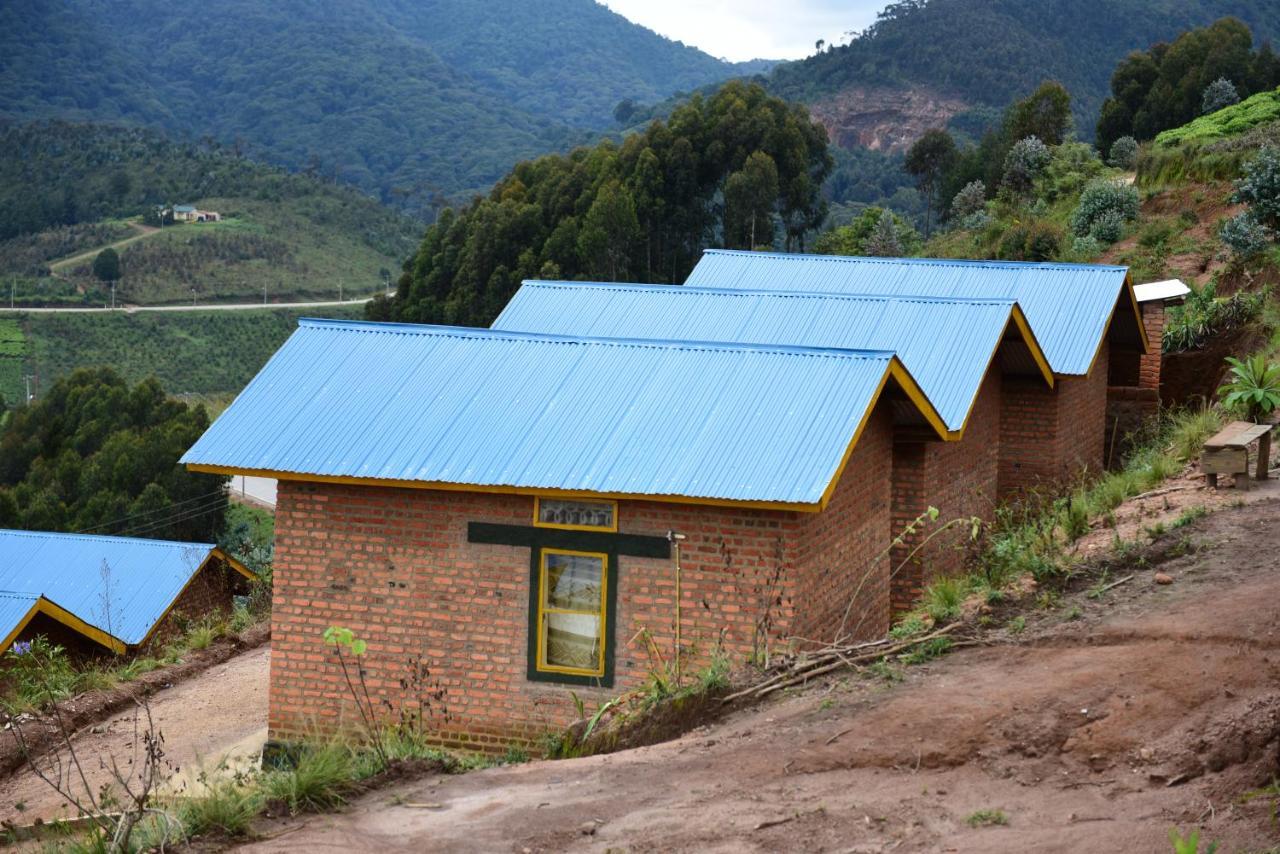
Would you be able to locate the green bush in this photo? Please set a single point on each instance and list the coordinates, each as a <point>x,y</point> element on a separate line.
<point>1124,153</point>
<point>1244,236</point>
<point>1105,206</point>
<point>1260,187</point>
<point>37,672</point>
<point>1202,315</point>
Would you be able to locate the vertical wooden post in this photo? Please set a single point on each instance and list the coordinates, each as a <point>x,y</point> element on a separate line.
<point>1264,456</point>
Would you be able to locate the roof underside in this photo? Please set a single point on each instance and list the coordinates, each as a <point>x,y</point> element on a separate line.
<point>120,585</point>
<point>947,345</point>
<point>1069,306</point>
<point>439,406</point>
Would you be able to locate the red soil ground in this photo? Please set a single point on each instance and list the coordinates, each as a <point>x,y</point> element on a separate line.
<point>1102,725</point>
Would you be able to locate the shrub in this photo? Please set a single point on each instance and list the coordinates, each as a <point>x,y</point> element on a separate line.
<point>1036,242</point>
<point>972,199</point>
<point>1218,94</point>
<point>1108,227</point>
<point>1103,198</point>
<point>1124,153</point>
<point>37,672</point>
<point>1260,186</point>
<point>1086,247</point>
<point>1024,163</point>
<point>320,781</point>
<point>943,599</point>
<point>1189,325</point>
<point>884,240</point>
<point>226,808</point>
<point>1253,387</point>
<point>1244,236</point>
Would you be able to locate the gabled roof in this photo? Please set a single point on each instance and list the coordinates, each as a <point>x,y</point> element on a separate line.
<point>481,410</point>
<point>113,590</point>
<point>946,344</point>
<point>1069,306</point>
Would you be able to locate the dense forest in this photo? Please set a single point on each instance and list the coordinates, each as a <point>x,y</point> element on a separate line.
<point>96,455</point>
<point>991,51</point>
<point>1169,85</point>
<point>407,99</point>
<point>740,168</point>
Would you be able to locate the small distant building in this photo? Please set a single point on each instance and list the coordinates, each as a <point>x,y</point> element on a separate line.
<point>88,592</point>
<point>190,213</point>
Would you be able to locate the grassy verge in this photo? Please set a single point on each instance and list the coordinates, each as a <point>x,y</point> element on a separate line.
<point>12,350</point>
<point>1032,540</point>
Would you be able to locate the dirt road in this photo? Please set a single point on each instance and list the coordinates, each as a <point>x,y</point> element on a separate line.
<point>201,718</point>
<point>1102,725</point>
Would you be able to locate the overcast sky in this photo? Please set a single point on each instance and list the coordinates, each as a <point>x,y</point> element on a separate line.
<point>751,29</point>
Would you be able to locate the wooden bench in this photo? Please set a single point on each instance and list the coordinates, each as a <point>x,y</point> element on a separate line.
<point>1228,452</point>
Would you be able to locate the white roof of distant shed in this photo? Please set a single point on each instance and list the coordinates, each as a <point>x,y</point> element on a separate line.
<point>1168,289</point>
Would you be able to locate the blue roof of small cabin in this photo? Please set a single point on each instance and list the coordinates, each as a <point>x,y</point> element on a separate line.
<point>121,586</point>
<point>946,344</point>
<point>1069,306</point>
<point>184,208</point>
<point>484,410</point>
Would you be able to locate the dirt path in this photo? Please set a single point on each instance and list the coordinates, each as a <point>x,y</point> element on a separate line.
<point>140,230</point>
<point>201,718</point>
<point>1106,722</point>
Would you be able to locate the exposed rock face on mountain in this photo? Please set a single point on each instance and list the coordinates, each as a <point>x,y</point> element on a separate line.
<point>883,119</point>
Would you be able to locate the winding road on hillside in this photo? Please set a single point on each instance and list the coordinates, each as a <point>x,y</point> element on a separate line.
<point>134,309</point>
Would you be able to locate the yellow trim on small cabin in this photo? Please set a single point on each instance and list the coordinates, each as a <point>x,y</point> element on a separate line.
<point>68,619</point>
<point>538,523</point>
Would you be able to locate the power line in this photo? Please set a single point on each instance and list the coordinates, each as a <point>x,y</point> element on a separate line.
<point>167,508</point>
<point>156,525</point>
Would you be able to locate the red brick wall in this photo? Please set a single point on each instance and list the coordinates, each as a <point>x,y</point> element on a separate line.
<point>843,550</point>
<point>1153,320</point>
<point>395,566</point>
<point>209,593</point>
<point>1048,436</point>
<point>960,479</point>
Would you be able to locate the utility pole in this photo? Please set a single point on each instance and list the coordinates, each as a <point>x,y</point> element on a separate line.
<point>193,297</point>
<point>13,286</point>
<point>339,290</point>
<point>113,296</point>
<point>28,379</point>
<point>264,293</point>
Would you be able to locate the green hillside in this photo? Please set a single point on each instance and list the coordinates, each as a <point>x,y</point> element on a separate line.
<point>191,353</point>
<point>988,52</point>
<point>406,99</point>
<point>67,190</point>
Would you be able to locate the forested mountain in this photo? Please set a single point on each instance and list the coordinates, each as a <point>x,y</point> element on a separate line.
<point>988,52</point>
<point>407,98</point>
<point>739,169</point>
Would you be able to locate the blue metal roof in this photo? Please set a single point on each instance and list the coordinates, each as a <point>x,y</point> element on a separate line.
<point>1069,306</point>
<point>141,580</point>
<point>14,608</point>
<point>475,408</point>
<point>946,344</point>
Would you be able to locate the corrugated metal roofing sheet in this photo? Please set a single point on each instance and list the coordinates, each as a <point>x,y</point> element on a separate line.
<point>480,408</point>
<point>144,577</point>
<point>14,608</point>
<point>946,344</point>
<point>1067,305</point>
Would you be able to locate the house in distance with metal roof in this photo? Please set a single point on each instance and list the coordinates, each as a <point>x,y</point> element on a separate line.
<point>89,592</point>
<point>1086,318</point>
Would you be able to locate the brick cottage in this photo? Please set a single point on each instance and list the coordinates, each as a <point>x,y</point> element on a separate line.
<point>503,504</point>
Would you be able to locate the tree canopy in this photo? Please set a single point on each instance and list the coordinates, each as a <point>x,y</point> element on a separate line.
<point>1165,87</point>
<point>96,455</point>
<point>737,168</point>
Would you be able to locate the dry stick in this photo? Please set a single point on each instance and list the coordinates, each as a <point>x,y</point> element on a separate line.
<point>1116,584</point>
<point>831,661</point>
<point>910,529</point>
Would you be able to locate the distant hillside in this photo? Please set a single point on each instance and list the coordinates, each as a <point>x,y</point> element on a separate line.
<point>406,98</point>
<point>67,190</point>
<point>957,55</point>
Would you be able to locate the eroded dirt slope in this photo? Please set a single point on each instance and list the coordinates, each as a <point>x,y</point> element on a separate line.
<point>1102,725</point>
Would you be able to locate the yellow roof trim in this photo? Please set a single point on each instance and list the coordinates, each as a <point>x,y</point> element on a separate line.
<point>1106,330</point>
<point>1033,343</point>
<point>547,492</point>
<point>231,562</point>
<point>68,619</point>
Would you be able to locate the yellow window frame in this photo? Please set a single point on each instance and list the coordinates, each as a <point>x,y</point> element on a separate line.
<point>538,523</point>
<point>541,663</point>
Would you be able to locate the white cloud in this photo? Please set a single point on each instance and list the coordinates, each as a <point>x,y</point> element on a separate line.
<point>751,29</point>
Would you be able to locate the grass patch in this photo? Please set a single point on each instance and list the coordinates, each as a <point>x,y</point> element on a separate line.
<point>943,598</point>
<point>987,818</point>
<point>320,780</point>
<point>226,809</point>
<point>1258,109</point>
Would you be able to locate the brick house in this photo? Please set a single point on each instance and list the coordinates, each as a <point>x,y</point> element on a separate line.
<point>1085,317</point>
<point>505,504</point>
<point>90,593</point>
<point>961,350</point>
